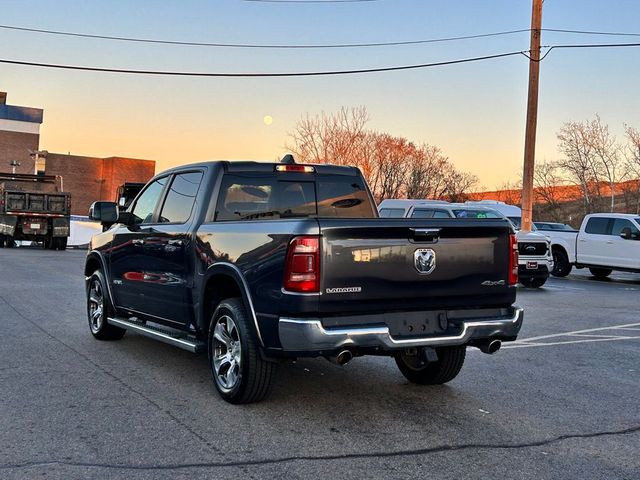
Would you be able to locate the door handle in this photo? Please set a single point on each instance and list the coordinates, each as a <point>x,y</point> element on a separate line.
<point>609,242</point>
<point>137,241</point>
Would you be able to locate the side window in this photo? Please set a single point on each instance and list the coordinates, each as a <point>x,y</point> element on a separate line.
<point>441,214</point>
<point>392,212</point>
<point>597,225</point>
<point>620,223</point>
<point>146,203</point>
<point>181,197</point>
<point>422,213</point>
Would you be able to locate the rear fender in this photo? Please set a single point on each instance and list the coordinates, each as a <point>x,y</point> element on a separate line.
<point>233,272</point>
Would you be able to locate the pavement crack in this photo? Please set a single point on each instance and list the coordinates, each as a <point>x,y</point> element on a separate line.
<point>325,458</point>
<point>112,376</point>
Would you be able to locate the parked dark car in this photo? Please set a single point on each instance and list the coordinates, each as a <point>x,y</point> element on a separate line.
<point>257,262</point>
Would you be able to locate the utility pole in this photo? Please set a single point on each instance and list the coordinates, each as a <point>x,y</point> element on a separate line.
<point>532,117</point>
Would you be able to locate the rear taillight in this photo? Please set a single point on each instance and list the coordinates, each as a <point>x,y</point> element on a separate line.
<point>302,270</point>
<point>513,259</point>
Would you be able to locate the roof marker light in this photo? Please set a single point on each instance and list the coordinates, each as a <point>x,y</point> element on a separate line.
<point>295,168</point>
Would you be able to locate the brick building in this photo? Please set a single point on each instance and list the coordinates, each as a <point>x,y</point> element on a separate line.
<point>87,178</point>
<point>19,136</point>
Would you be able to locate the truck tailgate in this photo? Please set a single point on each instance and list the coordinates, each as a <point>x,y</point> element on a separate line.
<point>373,265</point>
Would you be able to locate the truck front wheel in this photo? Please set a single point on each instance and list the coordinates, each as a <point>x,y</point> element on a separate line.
<point>240,374</point>
<point>446,368</point>
<point>561,265</point>
<point>99,308</point>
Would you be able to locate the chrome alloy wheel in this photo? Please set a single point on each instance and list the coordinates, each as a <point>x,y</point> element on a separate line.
<point>227,353</point>
<point>95,306</point>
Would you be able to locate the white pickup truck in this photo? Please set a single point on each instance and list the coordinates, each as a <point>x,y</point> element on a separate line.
<point>605,242</point>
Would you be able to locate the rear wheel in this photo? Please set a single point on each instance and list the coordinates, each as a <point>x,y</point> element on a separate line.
<point>59,243</point>
<point>561,265</point>
<point>99,308</point>
<point>600,273</point>
<point>240,374</point>
<point>445,369</point>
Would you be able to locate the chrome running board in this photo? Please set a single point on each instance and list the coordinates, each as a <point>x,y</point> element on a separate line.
<point>177,339</point>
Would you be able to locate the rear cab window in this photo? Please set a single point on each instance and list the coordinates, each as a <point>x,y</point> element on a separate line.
<point>265,196</point>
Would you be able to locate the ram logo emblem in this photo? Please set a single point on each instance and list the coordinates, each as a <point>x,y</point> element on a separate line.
<point>424,259</point>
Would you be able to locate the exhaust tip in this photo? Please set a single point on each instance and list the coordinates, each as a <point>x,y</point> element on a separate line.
<point>490,347</point>
<point>341,358</point>
<point>493,346</point>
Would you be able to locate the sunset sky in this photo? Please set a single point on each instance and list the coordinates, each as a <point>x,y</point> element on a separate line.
<point>475,112</point>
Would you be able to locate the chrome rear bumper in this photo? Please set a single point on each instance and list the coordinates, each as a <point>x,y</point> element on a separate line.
<point>308,335</point>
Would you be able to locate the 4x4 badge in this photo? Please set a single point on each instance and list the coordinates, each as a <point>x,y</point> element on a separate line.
<point>424,259</point>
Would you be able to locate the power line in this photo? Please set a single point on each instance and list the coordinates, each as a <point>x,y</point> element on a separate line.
<point>261,74</point>
<point>252,45</point>
<point>313,73</point>
<point>583,45</point>
<point>305,46</point>
<point>591,32</point>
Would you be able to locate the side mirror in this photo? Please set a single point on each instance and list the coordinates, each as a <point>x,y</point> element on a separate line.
<point>104,212</point>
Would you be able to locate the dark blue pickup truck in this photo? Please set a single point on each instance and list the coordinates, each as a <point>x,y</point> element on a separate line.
<point>257,262</point>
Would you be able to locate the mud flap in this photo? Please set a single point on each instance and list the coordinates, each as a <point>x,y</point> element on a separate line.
<point>60,227</point>
<point>8,225</point>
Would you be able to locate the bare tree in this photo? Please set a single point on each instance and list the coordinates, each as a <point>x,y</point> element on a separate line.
<point>607,155</point>
<point>633,162</point>
<point>579,162</point>
<point>460,185</point>
<point>510,192</point>
<point>393,166</point>
<point>331,138</point>
<point>547,180</point>
<point>426,176</point>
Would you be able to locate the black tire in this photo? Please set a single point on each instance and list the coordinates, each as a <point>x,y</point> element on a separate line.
<point>59,243</point>
<point>561,265</point>
<point>533,282</point>
<point>9,242</point>
<point>445,369</point>
<point>600,273</point>
<point>99,308</point>
<point>47,243</point>
<point>1,241</point>
<point>239,372</point>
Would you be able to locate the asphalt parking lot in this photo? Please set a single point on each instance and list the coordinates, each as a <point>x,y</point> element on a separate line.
<point>562,402</point>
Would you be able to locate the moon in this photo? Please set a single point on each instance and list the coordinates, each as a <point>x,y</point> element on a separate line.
<point>268,120</point>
